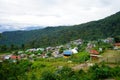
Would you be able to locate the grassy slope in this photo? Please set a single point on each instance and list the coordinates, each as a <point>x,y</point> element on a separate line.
<point>111,56</point>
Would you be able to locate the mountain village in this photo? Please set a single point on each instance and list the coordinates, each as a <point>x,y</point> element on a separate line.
<point>64,51</point>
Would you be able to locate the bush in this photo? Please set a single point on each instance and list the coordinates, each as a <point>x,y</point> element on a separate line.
<point>80,57</point>
<point>65,73</point>
<point>115,72</point>
<point>48,75</point>
<point>101,71</point>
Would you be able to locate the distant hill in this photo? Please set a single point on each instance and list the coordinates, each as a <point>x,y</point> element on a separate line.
<point>51,36</point>
<point>33,28</point>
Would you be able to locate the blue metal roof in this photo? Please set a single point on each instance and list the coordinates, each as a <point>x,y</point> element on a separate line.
<point>67,52</point>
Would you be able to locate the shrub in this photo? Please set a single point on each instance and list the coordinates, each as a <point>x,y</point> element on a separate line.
<point>48,75</point>
<point>80,57</point>
<point>65,73</point>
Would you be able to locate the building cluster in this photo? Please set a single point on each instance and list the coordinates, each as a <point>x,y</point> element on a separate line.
<point>55,52</point>
<point>60,51</point>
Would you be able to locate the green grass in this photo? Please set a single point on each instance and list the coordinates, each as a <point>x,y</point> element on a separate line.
<point>111,56</point>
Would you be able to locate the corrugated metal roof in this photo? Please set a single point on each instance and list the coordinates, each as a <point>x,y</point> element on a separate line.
<point>67,52</point>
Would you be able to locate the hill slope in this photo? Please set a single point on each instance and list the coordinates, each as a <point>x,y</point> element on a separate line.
<point>51,36</point>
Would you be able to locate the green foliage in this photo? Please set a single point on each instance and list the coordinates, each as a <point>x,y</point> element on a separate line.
<point>104,46</point>
<point>61,50</point>
<point>94,73</point>
<point>65,72</point>
<point>52,36</point>
<point>23,46</point>
<point>103,71</point>
<point>3,48</point>
<point>49,53</point>
<point>48,75</point>
<point>82,47</point>
<point>12,71</point>
<point>44,70</point>
<point>117,39</point>
<point>38,65</point>
<point>80,57</point>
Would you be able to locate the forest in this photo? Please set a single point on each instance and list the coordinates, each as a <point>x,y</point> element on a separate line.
<point>52,36</point>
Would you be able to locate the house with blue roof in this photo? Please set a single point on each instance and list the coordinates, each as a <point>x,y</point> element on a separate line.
<point>67,53</point>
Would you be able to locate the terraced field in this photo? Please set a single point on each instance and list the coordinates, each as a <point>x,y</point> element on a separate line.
<point>111,56</point>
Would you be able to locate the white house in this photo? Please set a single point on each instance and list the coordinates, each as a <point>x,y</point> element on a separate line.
<point>7,57</point>
<point>74,51</point>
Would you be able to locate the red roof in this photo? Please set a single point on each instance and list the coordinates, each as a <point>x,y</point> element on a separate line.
<point>94,52</point>
<point>15,57</point>
<point>117,44</point>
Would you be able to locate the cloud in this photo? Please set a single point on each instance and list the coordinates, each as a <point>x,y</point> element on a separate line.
<point>19,14</point>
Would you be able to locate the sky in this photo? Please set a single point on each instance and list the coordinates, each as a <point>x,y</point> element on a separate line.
<point>20,14</point>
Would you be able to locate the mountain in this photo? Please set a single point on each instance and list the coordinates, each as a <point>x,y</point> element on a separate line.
<point>11,28</point>
<point>5,28</point>
<point>51,36</point>
<point>33,28</point>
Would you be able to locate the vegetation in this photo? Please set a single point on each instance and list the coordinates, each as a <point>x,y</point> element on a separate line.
<point>59,68</point>
<point>25,70</point>
<point>14,71</point>
<point>117,39</point>
<point>80,57</point>
<point>52,36</point>
<point>94,73</point>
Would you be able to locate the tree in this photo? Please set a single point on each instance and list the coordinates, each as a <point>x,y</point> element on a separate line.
<point>3,48</point>
<point>13,47</point>
<point>0,35</point>
<point>14,71</point>
<point>117,39</point>
<point>23,46</point>
<point>61,50</point>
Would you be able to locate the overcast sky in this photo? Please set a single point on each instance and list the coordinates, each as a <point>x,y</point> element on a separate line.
<point>19,14</point>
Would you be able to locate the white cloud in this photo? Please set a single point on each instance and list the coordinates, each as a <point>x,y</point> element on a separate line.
<point>21,13</point>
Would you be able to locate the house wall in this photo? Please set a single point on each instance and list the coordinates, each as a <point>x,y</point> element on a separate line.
<point>94,58</point>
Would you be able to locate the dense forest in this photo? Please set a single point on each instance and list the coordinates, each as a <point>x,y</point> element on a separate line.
<point>52,36</point>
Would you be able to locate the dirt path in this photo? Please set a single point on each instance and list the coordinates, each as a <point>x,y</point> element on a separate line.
<point>82,66</point>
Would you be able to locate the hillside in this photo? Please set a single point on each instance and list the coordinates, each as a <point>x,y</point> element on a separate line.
<point>51,36</point>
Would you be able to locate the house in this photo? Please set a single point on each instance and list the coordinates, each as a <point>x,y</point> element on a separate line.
<point>94,55</point>
<point>6,57</point>
<point>55,53</point>
<point>108,40</point>
<point>44,55</point>
<point>31,50</point>
<point>23,55</point>
<point>41,49</point>
<point>89,46</point>
<point>67,53</point>
<point>77,42</point>
<point>74,51</point>
<point>100,49</point>
<point>20,52</point>
<point>14,57</point>
<point>117,46</point>
<point>94,52</point>
<point>32,55</point>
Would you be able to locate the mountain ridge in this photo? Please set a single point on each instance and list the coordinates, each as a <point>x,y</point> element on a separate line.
<point>51,36</point>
